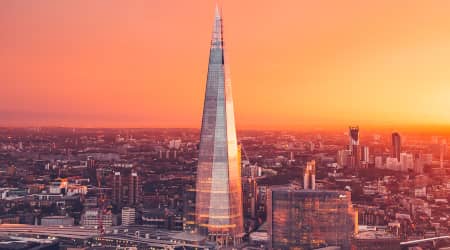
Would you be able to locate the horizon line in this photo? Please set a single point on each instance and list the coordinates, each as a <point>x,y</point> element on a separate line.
<point>394,128</point>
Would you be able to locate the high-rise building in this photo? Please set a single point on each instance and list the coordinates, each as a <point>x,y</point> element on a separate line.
<point>406,162</point>
<point>379,162</point>
<point>365,154</point>
<point>344,157</point>
<point>309,219</point>
<point>189,210</point>
<point>249,191</point>
<point>442,152</point>
<point>392,164</point>
<point>354,146</point>
<point>134,189</point>
<point>90,162</point>
<point>126,188</point>
<point>218,187</point>
<point>309,175</point>
<point>396,145</point>
<point>117,189</point>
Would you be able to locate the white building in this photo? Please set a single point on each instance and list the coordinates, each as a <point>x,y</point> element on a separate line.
<point>90,217</point>
<point>175,144</point>
<point>74,189</point>
<point>379,162</point>
<point>406,162</point>
<point>392,164</point>
<point>128,216</point>
<point>420,192</point>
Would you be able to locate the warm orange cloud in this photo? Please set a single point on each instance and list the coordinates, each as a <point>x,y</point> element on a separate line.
<point>293,63</point>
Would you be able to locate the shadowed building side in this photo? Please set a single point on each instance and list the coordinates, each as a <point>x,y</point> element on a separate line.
<point>396,146</point>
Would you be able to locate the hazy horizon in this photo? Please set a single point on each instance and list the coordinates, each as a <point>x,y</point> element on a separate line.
<point>413,129</point>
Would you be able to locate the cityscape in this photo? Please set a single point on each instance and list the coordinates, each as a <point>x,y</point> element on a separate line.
<point>225,183</point>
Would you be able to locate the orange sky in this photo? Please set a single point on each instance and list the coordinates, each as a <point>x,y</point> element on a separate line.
<point>293,63</point>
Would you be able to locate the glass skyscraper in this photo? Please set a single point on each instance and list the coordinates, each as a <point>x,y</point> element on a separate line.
<point>218,188</point>
<point>396,145</point>
<point>354,146</point>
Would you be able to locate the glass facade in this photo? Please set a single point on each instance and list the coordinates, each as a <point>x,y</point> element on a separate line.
<point>218,187</point>
<point>308,219</point>
<point>354,146</point>
<point>396,145</point>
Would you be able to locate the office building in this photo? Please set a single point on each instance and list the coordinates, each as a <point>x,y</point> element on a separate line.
<point>189,210</point>
<point>396,145</point>
<point>249,190</point>
<point>117,189</point>
<point>344,157</point>
<point>218,187</point>
<point>442,152</point>
<point>91,217</point>
<point>365,154</point>
<point>309,175</point>
<point>128,216</point>
<point>90,162</point>
<point>379,162</point>
<point>126,188</point>
<point>406,162</point>
<point>354,147</point>
<point>309,219</point>
<point>134,189</point>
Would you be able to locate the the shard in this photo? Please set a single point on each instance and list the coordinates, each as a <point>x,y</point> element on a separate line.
<point>218,187</point>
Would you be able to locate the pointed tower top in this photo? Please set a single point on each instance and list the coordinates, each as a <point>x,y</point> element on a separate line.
<point>217,40</point>
<point>217,11</point>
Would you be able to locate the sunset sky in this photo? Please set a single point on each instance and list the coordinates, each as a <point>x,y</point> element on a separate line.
<point>294,63</point>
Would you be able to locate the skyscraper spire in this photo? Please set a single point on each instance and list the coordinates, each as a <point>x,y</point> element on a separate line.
<point>217,11</point>
<point>217,36</point>
<point>218,186</point>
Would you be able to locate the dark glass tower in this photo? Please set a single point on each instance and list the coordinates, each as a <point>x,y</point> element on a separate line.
<point>354,146</point>
<point>218,187</point>
<point>396,145</point>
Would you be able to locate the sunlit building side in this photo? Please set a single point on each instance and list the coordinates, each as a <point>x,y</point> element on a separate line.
<point>218,187</point>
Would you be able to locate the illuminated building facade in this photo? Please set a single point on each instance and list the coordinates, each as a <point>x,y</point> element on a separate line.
<point>308,219</point>
<point>218,187</point>
<point>309,175</point>
<point>365,154</point>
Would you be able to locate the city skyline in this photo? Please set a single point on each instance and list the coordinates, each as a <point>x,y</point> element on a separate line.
<point>342,144</point>
<point>352,63</point>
